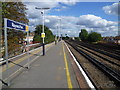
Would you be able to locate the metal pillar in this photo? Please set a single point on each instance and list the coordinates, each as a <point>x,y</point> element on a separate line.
<point>6,46</point>
<point>43,32</point>
<point>28,49</point>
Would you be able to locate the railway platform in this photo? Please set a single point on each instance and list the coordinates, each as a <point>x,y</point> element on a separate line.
<point>54,70</point>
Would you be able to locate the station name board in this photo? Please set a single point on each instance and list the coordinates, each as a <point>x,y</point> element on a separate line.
<point>16,25</point>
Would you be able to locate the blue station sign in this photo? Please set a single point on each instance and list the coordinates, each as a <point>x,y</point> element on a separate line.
<point>16,25</point>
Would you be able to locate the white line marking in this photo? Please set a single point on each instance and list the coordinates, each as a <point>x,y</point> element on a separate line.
<point>80,68</point>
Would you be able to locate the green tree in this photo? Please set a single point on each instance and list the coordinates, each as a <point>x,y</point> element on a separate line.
<point>49,37</point>
<point>94,37</point>
<point>38,30</point>
<point>83,34</point>
<point>15,11</point>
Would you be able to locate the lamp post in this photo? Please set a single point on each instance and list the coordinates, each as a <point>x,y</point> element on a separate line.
<point>59,29</point>
<point>43,34</point>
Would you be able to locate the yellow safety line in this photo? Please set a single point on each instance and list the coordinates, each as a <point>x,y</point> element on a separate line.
<point>67,70</point>
<point>21,59</point>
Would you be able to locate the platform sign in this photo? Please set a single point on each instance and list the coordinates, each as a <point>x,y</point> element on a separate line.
<point>42,35</point>
<point>17,26</point>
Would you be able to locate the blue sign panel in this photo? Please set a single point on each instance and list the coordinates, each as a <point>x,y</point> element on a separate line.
<point>15,25</point>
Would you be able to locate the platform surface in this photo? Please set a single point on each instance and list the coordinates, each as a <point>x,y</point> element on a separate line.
<point>54,70</point>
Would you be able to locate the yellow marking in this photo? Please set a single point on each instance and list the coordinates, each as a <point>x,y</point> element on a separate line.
<point>27,28</point>
<point>67,70</point>
<point>42,35</point>
<point>21,59</point>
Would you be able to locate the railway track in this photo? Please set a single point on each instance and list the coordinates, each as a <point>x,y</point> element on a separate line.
<point>112,55</point>
<point>113,75</point>
<point>100,56</point>
<point>112,49</point>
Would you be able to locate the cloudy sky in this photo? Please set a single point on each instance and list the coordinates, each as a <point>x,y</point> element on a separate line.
<point>69,17</point>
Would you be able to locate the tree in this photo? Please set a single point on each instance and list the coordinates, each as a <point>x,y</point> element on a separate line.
<point>94,37</point>
<point>49,37</point>
<point>83,34</point>
<point>38,30</point>
<point>15,11</point>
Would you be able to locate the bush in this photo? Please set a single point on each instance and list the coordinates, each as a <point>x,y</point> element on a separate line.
<point>94,37</point>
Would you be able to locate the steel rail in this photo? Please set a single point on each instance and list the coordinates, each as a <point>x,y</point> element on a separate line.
<point>100,56</point>
<point>108,71</point>
<point>102,52</point>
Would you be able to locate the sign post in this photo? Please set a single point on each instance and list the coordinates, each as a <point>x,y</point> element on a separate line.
<point>28,45</point>
<point>17,26</point>
<point>6,46</point>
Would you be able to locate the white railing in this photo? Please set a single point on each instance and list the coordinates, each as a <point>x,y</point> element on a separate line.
<point>26,47</point>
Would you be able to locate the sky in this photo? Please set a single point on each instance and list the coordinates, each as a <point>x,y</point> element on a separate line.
<point>70,17</point>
